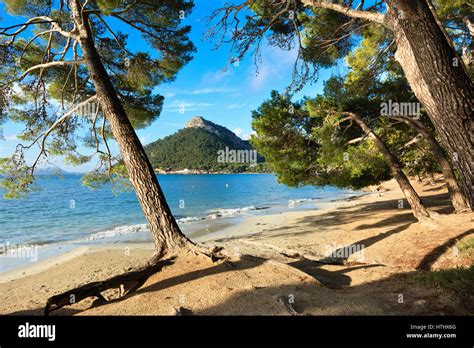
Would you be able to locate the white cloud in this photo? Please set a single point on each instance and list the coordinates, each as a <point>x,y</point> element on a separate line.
<point>236,106</point>
<point>145,139</point>
<point>200,91</point>
<point>217,76</point>
<point>247,136</point>
<point>11,137</point>
<point>174,124</point>
<point>260,77</point>
<point>238,131</point>
<point>243,135</point>
<point>276,64</point>
<point>210,91</point>
<point>185,105</point>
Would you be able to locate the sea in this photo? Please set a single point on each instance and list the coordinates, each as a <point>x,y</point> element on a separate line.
<point>62,213</point>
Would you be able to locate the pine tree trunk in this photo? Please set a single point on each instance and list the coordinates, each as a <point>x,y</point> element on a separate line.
<point>419,211</point>
<point>164,228</point>
<point>439,80</point>
<point>458,199</point>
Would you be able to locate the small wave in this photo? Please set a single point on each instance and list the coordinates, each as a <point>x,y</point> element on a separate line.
<point>304,200</point>
<point>129,229</point>
<point>117,231</point>
<point>189,219</point>
<point>220,213</point>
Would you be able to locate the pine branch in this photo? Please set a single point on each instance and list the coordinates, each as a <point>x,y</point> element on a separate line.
<point>366,15</point>
<point>59,121</point>
<point>49,65</point>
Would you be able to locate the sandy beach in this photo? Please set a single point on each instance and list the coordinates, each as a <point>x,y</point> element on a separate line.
<point>359,256</point>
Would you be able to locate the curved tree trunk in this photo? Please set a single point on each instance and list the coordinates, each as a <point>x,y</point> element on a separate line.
<point>458,199</point>
<point>439,80</point>
<point>419,210</point>
<point>164,228</point>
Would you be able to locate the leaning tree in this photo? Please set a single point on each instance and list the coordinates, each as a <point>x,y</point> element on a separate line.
<point>380,80</point>
<point>68,73</point>
<point>333,139</point>
<point>325,31</point>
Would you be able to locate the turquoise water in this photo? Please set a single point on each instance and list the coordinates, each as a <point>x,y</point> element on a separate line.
<point>65,211</point>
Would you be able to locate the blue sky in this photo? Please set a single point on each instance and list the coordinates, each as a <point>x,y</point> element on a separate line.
<point>202,86</point>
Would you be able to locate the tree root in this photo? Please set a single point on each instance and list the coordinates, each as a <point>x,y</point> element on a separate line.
<point>215,254</point>
<point>127,283</point>
<point>433,220</point>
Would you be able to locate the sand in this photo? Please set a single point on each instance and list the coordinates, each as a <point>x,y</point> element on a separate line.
<point>278,265</point>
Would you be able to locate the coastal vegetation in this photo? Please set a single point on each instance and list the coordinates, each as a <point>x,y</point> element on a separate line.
<point>93,67</point>
<point>198,149</point>
<point>407,34</point>
<point>457,281</point>
<point>400,111</point>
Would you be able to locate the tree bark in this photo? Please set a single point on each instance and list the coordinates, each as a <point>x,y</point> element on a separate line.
<point>439,80</point>
<point>164,228</point>
<point>419,211</point>
<point>435,73</point>
<point>459,201</point>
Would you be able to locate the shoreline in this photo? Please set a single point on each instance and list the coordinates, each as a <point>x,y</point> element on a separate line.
<point>204,229</point>
<point>249,224</point>
<point>192,172</point>
<point>272,255</point>
<point>57,260</point>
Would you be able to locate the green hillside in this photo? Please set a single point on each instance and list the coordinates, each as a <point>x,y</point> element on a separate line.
<point>198,149</point>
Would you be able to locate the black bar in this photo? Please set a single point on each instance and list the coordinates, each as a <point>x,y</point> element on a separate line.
<point>209,331</point>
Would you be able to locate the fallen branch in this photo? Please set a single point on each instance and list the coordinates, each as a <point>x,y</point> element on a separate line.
<point>127,283</point>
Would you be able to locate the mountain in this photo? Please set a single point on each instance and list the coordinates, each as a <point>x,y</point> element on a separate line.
<point>223,133</point>
<point>203,146</point>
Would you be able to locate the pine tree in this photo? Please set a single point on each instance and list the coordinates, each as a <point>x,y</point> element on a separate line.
<point>325,31</point>
<point>385,81</point>
<point>73,72</point>
<point>328,141</point>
